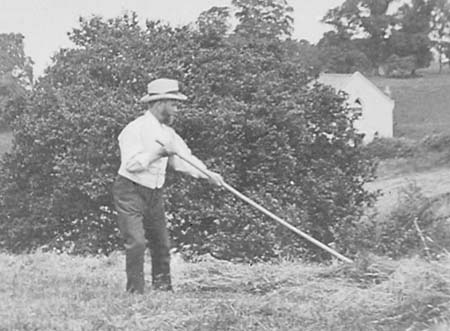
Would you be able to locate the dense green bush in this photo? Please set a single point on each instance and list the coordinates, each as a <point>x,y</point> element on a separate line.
<point>414,226</point>
<point>391,148</point>
<point>436,142</point>
<point>252,116</point>
<point>400,67</point>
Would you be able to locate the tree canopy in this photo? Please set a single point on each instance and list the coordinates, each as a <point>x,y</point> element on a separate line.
<point>440,29</point>
<point>16,72</point>
<point>383,31</point>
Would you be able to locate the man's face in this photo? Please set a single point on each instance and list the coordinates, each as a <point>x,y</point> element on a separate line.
<point>167,111</point>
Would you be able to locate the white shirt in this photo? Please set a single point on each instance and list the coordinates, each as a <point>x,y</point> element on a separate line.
<point>138,147</point>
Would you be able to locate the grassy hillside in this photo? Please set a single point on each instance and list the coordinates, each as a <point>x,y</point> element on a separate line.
<point>422,105</point>
<point>60,292</point>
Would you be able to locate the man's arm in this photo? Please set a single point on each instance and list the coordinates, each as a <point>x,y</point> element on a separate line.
<point>177,150</point>
<point>140,161</point>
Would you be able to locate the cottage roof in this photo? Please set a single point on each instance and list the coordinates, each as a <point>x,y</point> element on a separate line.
<point>341,81</point>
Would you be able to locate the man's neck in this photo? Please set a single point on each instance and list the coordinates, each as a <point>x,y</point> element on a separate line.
<point>149,111</point>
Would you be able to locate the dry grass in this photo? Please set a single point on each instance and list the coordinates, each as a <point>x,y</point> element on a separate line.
<point>44,291</point>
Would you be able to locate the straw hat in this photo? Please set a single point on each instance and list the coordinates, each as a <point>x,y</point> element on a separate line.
<point>163,89</point>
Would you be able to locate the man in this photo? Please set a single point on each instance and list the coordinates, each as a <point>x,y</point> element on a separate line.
<point>147,145</point>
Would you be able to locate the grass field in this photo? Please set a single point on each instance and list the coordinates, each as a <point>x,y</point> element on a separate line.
<point>422,104</point>
<point>45,291</point>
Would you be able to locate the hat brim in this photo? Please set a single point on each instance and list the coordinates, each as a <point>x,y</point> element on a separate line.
<point>167,96</point>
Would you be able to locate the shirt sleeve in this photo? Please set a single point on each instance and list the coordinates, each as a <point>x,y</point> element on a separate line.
<point>180,165</point>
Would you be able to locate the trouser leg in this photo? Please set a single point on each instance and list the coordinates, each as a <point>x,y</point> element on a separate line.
<point>158,240</point>
<point>130,215</point>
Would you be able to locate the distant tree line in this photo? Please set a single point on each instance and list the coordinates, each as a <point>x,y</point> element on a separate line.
<point>388,37</point>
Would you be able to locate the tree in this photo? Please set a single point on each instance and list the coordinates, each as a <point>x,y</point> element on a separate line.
<point>367,21</point>
<point>304,53</point>
<point>252,115</point>
<point>440,29</point>
<point>213,25</point>
<point>16,73</point>
<point>381,33</point>
<point>412,38</point>
<point>446,50</point>
<point>341,55</point>
<point>263,18</point>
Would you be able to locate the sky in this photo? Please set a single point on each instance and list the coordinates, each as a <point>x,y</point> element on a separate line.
<point>45,23</point>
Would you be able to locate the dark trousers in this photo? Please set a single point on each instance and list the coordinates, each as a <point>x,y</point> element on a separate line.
<point>142,222</point>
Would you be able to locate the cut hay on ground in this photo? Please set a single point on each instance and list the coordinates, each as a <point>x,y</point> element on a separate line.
<point>46,291</point>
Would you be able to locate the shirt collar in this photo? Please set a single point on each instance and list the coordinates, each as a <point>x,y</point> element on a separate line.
<point>153,119</point>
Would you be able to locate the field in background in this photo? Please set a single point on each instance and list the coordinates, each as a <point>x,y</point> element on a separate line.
<point>45,291</point>
<point>422,104</point>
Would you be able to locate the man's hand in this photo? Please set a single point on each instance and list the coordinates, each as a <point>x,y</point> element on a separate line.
<point>215,178</point>
<point>167,149</point>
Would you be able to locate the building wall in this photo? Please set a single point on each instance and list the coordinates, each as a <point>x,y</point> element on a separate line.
<point>377,111</point>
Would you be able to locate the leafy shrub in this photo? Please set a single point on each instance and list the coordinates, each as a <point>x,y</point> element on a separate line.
<point>436,142</point>
<point>390,148</point>
<point>252,116</point>
<point>412,227</point>
<point>400,67</point>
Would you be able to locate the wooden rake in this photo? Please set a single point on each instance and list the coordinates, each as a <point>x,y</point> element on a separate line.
<point>271,215</point>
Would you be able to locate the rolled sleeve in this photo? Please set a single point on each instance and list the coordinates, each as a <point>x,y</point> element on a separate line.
<point>180,165</point>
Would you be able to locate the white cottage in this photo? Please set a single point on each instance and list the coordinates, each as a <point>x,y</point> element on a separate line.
<point>376,106</point>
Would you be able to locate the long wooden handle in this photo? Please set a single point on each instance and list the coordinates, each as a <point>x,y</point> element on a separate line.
<point>273,216</point>
<point>286,224</point>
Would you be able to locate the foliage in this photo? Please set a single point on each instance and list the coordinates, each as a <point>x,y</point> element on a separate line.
<point>13,59</point>
<point>341,55</point>
<point>414,226</point>
<point>252,116</point>
<point>76,293</point>
<point>446,51</point>
<point>436,142</point>
<point>263,18</point>
<point>399,67</point>
<point>213,26</point>
<point>390,148</point>
<point>412,39</point>
<point>380,31</point>
<point>304,54</point>
<point>440,29</point>
<point>16,74</point>
<point>364,19</point>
